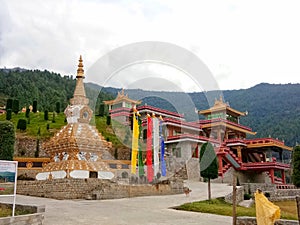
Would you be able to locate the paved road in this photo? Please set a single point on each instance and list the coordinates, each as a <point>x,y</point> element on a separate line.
<point>150,210</point>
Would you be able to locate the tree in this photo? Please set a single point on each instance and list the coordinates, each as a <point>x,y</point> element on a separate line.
<point>108,120</point>
<point>101,110</point>
<point>53,117</point>
<point>7,137</point>
<point>15,106</point>
<point>34,106</point>
<point>27,113</point>
<point>22,124</point>
<point>296,166</point>
<point>208,164</point>
<point>9,103</point>
<point>8,114</point>
<point>57,107</point>
<point>46,115</point>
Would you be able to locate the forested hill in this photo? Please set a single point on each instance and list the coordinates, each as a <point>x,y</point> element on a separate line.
<point>273,110</point>
<point>45,87</point>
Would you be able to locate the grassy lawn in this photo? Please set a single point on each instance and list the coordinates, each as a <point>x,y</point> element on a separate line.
<point>220,207</point>
<point>5,212</point>
<point>37,121</point>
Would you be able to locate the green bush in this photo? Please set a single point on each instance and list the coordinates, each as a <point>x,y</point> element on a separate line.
<point>15,106</point>
<point>7,137</point>
<point>247,196</point>
<point>8,114</point>
<point>27,113</point>
<point>46,116</point>
<point>34,106</point>
<point>22,124</point>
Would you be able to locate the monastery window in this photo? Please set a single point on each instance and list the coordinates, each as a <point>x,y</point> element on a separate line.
<point>176,152</point>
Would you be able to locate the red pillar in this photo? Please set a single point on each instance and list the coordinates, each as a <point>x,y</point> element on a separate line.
<point>220,165</point>
<point>283,176</point>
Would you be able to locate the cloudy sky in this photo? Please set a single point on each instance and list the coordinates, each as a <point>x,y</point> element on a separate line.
<point>243,43</point>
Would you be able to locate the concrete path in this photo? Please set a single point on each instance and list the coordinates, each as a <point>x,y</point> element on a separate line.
<point>150,210</point>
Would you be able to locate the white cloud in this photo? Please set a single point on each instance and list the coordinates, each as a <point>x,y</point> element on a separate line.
<point>242,42</point>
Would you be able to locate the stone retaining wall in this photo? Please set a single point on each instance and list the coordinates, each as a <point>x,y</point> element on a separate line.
<point>34,218</point>
<point>252,221</point>
<point>239,195</point>
<point>94,189</point>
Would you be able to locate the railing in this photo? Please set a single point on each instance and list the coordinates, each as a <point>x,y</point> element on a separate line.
<point>265,165</point>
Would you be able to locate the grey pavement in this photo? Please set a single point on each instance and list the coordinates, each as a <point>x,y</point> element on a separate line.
<point>150,210</point>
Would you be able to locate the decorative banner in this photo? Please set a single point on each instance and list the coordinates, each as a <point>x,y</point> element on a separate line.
<point>135,145</point>
<point>162,150</point>
<point>149,149</point>
<point>8,180</point>
<point>156,145</point>
<point>266,211</point>
<point>140,153</point>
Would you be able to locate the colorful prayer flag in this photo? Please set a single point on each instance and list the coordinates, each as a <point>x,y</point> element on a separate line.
<point>135,137</point>
<point>149,149</point>
<point>156,145</point>
<point>162,151</point>
<point>266,211</point>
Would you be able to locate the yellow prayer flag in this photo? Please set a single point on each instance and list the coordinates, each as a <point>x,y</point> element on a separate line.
<point>135,145</point>
<point>266,211</point>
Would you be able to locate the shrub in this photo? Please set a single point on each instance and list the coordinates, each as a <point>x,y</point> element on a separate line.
<point>34,106</point>
<point>15,106</point>
<point>247,196</point>
<point>57,107</point>
<point>108,120</point>
<point>9,103</point>
<point>8,114</point>
<point>27,113</point>
<point>22,124</point>
<point>46,116</point>
<point>7,137</point>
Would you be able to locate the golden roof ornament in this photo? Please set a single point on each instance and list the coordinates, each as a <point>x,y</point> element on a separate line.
<point>80,70</point>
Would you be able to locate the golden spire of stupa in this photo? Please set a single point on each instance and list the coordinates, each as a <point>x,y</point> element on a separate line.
<point>80,71</point>
<point>79,92</point>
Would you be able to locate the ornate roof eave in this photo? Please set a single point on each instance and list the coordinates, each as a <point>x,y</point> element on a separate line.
<point>221,106</point>
<point>237,128</point>
<point>118,100</point>
<point>122,97</point>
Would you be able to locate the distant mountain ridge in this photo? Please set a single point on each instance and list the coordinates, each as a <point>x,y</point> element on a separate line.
<point>273,109</point>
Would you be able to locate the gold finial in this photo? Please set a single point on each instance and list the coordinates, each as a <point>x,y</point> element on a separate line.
<point>80,71</point>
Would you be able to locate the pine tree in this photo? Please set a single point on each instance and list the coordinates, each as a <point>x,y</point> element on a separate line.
<point>8,114</point>
<point>9,103</point>
<point>108,120</point>
<point>34,106</point>
<point>208,164</point>
<point>15,106</point>
<point>46,115</point>
<point>27,113</point>
<point>7,137</point>
<point>22,124</point>
<point>296,166</point>
<point>101,110</point>
<point>57,107</point>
